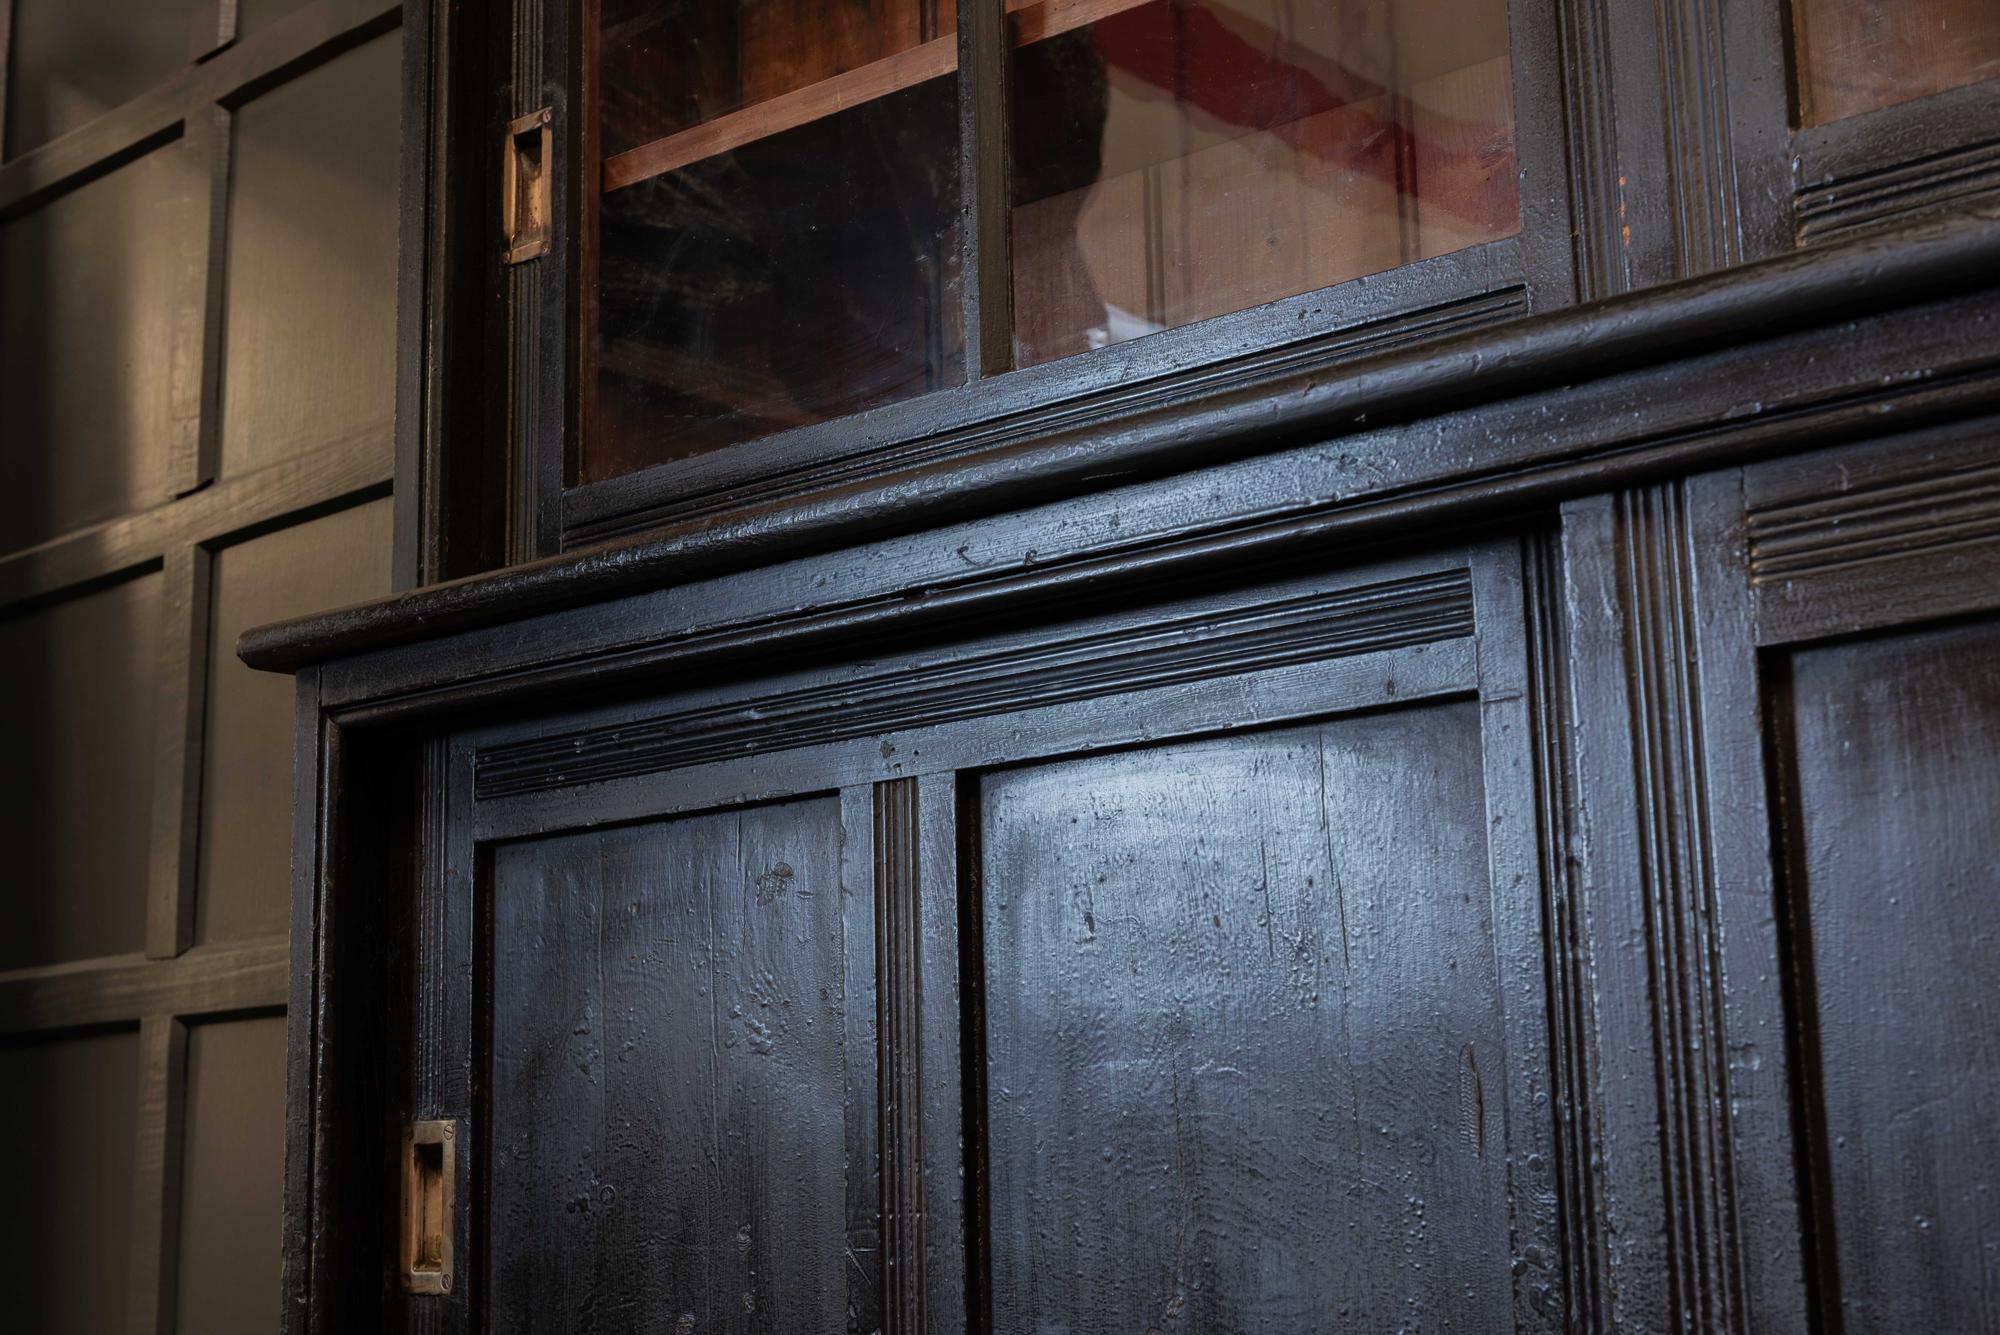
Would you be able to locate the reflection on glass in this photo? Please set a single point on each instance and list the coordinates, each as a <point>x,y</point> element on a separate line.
<point>1863,55</point>
<point>777,229</point>
<point>1178,159</point>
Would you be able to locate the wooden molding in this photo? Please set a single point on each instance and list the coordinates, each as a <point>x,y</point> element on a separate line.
<point>1573,1058</point>
<point>156,1190</point>
<point>899,1001</point>
<point>1648,883</point>
<point>1313,628</point>
<point>124,988</point>
<point>1854,204</point>
<point>1638,334</point>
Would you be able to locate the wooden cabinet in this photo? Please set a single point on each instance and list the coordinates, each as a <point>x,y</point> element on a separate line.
<point>1425,800</point>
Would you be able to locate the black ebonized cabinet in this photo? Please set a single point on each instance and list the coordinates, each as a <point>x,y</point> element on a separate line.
<point>1475,816</point>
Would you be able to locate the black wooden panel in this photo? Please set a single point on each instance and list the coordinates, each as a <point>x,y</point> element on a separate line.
<point>246,787</point>
<point>668,1134</point>
<point>1244,1035</point>
<point>308,326</point>
<point>231,1176</point>
<point>67,1111</point>
<point>76,773</point>
<point>1893,755</point>
<point>86,341</point>
<point>74,62</point>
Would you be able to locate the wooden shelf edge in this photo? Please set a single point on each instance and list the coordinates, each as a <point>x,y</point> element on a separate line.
<point>1034,21</point>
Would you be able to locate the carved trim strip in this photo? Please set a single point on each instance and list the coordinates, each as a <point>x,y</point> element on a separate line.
<point>1572,1028</point>
<point>1390,334</point>
<point>1855,204</point>
<point>1700,159</point>
<point>1876,523</point>
<point>1392,615</point>
<point>1656,590</point>
<point>899,989</point>
<point>1595,186</point>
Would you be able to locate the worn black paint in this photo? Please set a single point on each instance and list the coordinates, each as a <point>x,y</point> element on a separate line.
<point>1245,1044</point>
<point>668,1077</point>
<point>1016,628</point>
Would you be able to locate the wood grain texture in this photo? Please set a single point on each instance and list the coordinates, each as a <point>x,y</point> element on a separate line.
<point>1836,543</point>
<point>899,1002</point>
<point>668,1124</point>
<point>1887,751</point>
<point>1652,889</point>
<point>177,748</point>
<point>1245,1059</point>
<point>156,1188</point>
<point>1572,1030</point>
<point>126,987</point>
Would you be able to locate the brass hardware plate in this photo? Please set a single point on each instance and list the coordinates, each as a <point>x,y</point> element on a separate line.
<point>525,166</point>
<point>430,1173</point>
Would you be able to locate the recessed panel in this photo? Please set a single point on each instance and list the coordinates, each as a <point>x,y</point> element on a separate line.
<point>93,285</point>
<point>1179,159</point>
<point>246,825</point>
<point>309,330</point>
<point>79,678</point>
<point>668,1084</point>
<point>1862,55</point>
<point>232,1175</point>
<point>1895,896</point>
<point>1245,1054</point>
<point>68,1110</point>
<point>70,63</point>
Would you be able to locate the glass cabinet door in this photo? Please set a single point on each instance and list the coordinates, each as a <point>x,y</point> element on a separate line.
<point>777,220</point>
<point>777,188</point>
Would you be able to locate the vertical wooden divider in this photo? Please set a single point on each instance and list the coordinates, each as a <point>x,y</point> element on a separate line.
<point>156,1188</point>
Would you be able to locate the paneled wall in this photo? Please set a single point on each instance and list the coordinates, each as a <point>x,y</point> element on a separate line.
<point>198,204</point>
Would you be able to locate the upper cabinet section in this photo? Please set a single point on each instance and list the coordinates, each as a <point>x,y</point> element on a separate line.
<point>776,189</point>
<point>792,248</point>
<point>1855,56</point>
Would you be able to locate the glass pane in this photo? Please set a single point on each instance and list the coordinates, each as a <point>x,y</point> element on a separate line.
<point>777,232</point>
<point>1179,159</point>
<point>1863,55</point>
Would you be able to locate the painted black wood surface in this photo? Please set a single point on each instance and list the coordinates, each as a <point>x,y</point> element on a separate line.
<point>1463,815</point>
<point>1244,1036</point>
<point>668,1073</point>
<point>1892,889</point>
